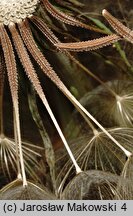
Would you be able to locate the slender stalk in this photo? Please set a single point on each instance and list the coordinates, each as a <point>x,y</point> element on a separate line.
<point>31,73</point>
<point>78,170</point>
<point>13,82</point>
<point>59,15</point>
<point>54,40</point>
<point>49,151</point>
<point>17,149</point>
<point>80,107</point>
<point>18,137</point>
<point>48,70</point>
<point>89,45</point>
<point>118,26</point>
<point>2,71</point>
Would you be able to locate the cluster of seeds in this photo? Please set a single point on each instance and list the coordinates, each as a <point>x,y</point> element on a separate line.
<point>14,11</point>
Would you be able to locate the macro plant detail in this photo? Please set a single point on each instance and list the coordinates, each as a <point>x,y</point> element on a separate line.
<point>116,111</point>
<point>92,150</point>
<point>18,42</point>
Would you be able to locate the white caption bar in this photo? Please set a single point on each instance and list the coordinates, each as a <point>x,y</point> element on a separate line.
<point>66,207</point>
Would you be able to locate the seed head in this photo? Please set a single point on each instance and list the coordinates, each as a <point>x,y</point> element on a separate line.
<point>14,11</point>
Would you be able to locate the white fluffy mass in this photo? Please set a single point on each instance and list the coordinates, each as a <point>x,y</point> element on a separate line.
<point>14,11</point>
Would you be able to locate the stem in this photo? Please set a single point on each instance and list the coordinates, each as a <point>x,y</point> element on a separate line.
<point>18,137</point>
<point>80,107</point>
<point>2,68</point>
<point>78,169</point>
<point>49,151</point>
<point>26,62</point>
<point>17,150</point>
<point>1,110</point>
<point>87,120</point>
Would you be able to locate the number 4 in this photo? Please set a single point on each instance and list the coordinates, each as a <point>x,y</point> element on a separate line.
<point>124,207</point>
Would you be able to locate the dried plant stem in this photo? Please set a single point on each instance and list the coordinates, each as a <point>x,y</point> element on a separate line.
<point>1,116</point>
<point>89,45</point>
<point>78,170</point>
<point>44,29</point>
<point>28,39</point>
<point>54,40</point>
<point>123,31</point>
<point>23,55</point>
<point>49,151</point>
<point>17,149</point>
<point>18,137</point>
<point>13,82</point>
<point>48,70</point>
<point>66,18</point>
<point>2,70</point>
<point>118,26</point>
<point>80,107</point>
<point>95,131</point>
